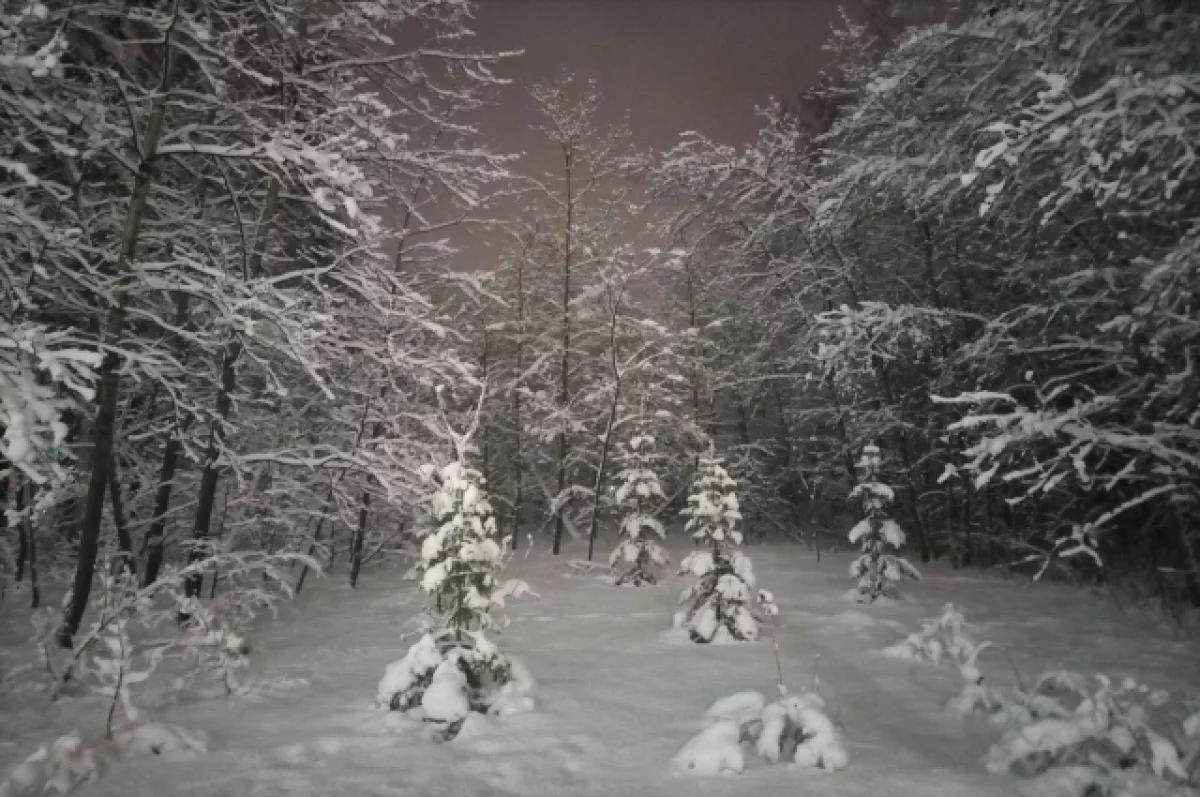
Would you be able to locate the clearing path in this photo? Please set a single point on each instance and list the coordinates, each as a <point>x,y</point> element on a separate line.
<point>618,692</point>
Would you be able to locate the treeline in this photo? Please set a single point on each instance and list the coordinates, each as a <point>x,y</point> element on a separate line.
<point>986,261</point>
<point>216,349</point>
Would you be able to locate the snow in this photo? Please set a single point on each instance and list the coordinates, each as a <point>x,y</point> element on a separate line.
<point>739,707</point>
<point>716,750</point>
<point>617,696</point>
<point>446,698</point>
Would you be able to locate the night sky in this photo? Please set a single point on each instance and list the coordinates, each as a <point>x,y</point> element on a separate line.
<point>672,65</point>
<point>676,65</point>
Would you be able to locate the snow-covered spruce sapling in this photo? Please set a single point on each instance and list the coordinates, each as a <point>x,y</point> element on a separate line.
<point>720,606</point>
<point>461,556</point>
<point>452,671</point>
<point>640,494</point>
<point>878,572</point>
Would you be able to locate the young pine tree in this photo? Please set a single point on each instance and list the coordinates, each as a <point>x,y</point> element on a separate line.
<point>878,573</point>
<point>719,606</point>
<point>454,670</point>
<point>638,495</point>
<point>461,555</point>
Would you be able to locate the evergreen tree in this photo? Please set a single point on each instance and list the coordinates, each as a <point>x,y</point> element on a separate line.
<point>719,607</point>
<point>461,556</point>
<point>638,495</point>
<point>878,573</point>
<point>454,670</point>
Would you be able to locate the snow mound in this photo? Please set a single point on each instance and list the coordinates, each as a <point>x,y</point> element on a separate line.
<point>516,696</point>
<point>716,750</point>
<point>56,768</point>
<point>739,707</point>
<point>160,738</point>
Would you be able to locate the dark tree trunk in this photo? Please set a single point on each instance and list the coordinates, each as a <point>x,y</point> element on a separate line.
<point>207,495</point>
<point>124,542</point>
<point>14,494</point>
<point>360,533</point>
<point>564,393</point>
<point>154,539</point>
<point>109,382</point>
<point>89,527</point>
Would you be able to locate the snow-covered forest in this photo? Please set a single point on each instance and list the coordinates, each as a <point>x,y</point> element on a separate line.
<point>346,451</point>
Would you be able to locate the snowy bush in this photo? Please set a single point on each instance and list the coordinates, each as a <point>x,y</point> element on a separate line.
<point>721,605</point>
<point>1110,738</point>
<point>1087,737</point>
<point>445,676</point>
<point>946,638</point>
<point>56,768</point>
<point>794,730</point>
<point>878,573</point>
<point>638,549</point>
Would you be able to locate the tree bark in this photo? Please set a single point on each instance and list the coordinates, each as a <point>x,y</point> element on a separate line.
<point>153,541</point>
<point>206,497</point>
<point>360,533</point>
<point>109,382</point>
<point>564,394</point>
<point>519,431</point>
<point>124,542</point>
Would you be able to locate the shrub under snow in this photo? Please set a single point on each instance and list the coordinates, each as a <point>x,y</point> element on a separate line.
<point>878,572</point>
<point>720,606</point>
<point>793,730</point>
<point>1088,737</point>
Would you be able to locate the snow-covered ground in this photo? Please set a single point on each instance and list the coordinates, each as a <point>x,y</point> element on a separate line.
<point>618,692</point>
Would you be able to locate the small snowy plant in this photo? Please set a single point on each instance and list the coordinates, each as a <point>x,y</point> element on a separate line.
<point>456,669</point>
<point>878,572</point>
<point>793,730</point>
<point>638,550</point>
<point>1107,738</point>
<point>946,638</point>
<point>720,606</point>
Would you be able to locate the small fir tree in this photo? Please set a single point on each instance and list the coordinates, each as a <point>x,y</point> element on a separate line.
<point>720,606</point>
<point>639,495</point>
<point>878,573</point>
<point>461,556</point>
<point>455,670</point>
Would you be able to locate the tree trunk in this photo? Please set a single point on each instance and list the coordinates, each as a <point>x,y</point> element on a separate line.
<point>612,418</point>
<point>109,382</point>
<point>564,394</point>
<point>124,542</point>
<point>360,533</point>
<point>14,494</point>
<point>24,500</point>
<point>162,497</point>
<point>206,497</point>
<point>519,431</point>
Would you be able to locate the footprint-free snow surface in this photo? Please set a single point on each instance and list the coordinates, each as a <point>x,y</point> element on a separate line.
<point>618,693</point>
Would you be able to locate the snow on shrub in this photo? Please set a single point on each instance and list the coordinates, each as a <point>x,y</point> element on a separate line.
<point>1115,738</point>
<point>793,730</point>
<point>1086,737</point>
<point>721,605</point>
<point>53,769</point>
<point>878,572</point>
<point>70,761</point>
<point>640,494</point>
